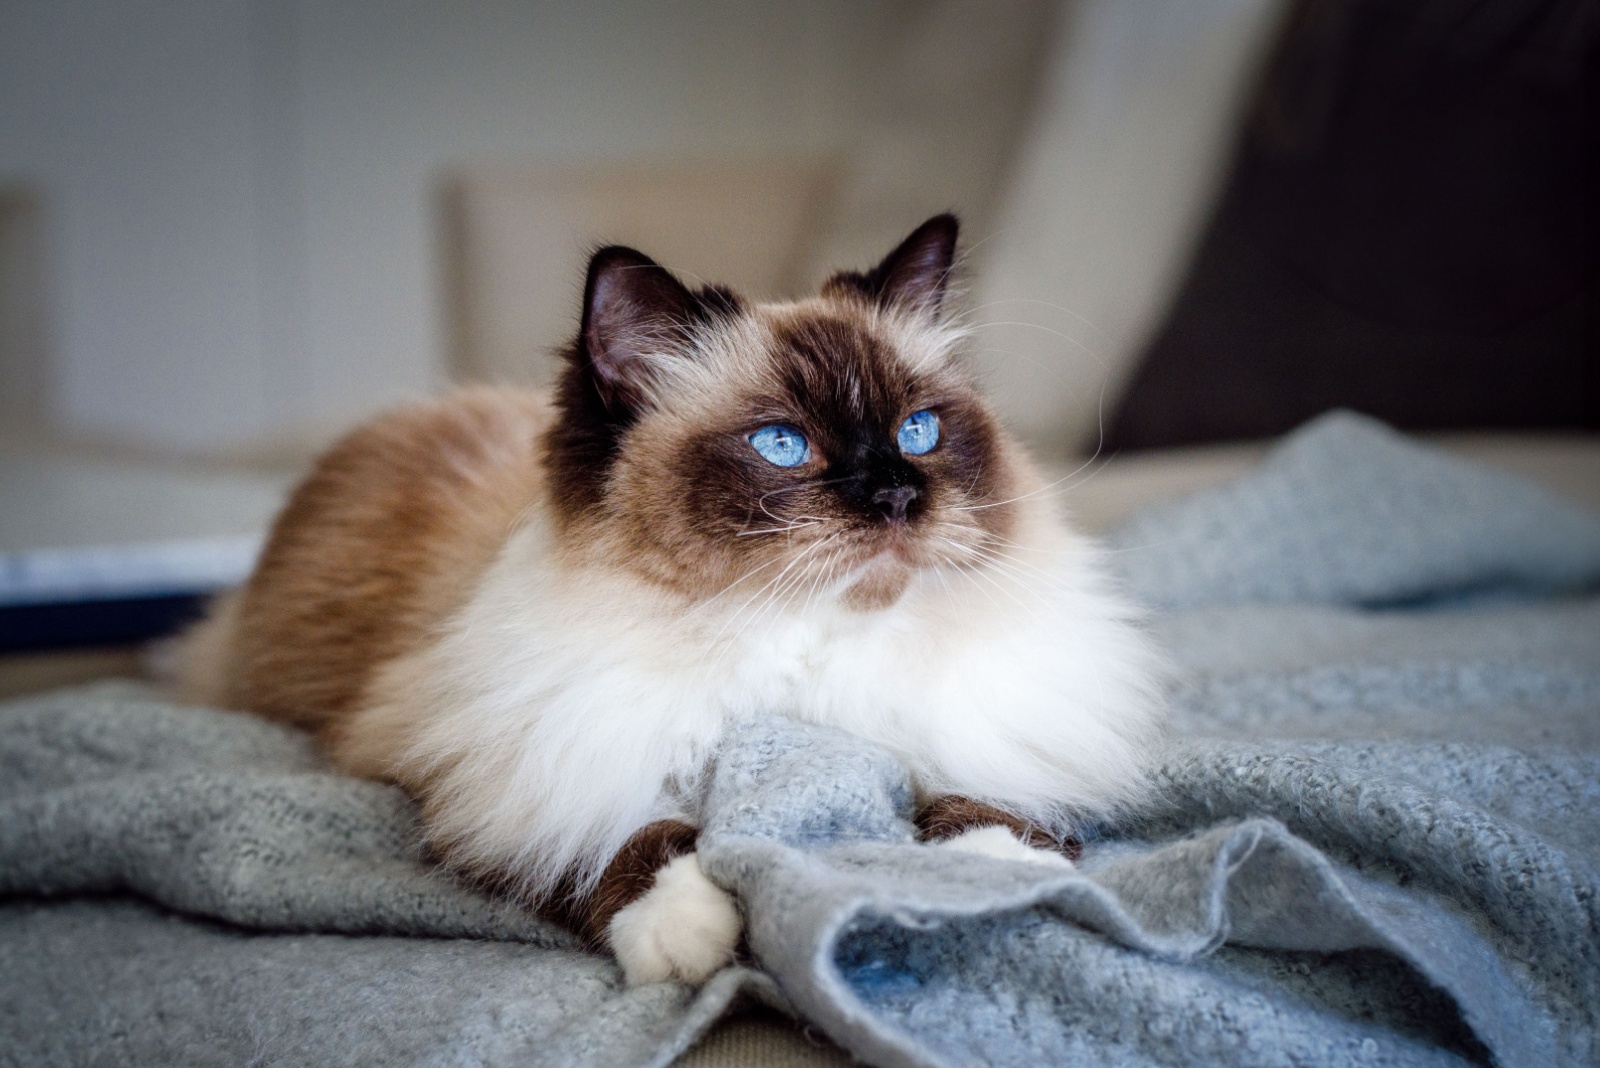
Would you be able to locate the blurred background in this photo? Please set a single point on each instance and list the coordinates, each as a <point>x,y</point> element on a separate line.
<point>231,228</point>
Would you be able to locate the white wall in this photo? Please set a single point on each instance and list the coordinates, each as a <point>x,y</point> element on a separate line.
<point>240,194</point>
<point>134,122</point>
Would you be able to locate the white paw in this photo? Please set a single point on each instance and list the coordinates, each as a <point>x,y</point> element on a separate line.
<point>1000,843</point>
<point>685,927</point>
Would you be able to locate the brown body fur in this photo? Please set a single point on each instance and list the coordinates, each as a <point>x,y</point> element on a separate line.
<point>380,543</point>
<point>947,817</point>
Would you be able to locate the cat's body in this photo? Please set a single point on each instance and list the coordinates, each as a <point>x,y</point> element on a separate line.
<point>540,615</point>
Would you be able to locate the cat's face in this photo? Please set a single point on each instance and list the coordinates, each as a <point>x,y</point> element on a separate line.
<point>827,448</point>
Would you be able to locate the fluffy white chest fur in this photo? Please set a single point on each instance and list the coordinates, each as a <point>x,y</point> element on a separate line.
<point>559,712</point>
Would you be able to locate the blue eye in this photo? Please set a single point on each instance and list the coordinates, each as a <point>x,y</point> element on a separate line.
<point>919,433</point>
<point>781,445</point>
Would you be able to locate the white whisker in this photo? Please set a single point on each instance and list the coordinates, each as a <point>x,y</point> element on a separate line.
<point>775,585</point>
<point>1042,489</point>
<point>809,521</point>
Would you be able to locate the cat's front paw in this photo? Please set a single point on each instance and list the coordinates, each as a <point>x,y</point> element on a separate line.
<point>685,927</point>
<point>1002,844</point>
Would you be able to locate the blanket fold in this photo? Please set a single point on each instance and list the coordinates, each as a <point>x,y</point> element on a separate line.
<point>1376,841</point>
<point>864,935</point>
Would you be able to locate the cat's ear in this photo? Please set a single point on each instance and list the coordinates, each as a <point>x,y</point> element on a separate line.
<point>633,310</point>
<point>916,275</point>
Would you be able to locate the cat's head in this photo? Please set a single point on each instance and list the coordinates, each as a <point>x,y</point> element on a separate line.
<point>832,446</point>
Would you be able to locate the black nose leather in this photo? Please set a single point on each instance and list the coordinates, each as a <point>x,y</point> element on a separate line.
<point>894,500</point>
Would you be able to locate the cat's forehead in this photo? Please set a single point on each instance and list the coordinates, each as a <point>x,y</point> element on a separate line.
<point>831,358</point>
<point>838,365</point>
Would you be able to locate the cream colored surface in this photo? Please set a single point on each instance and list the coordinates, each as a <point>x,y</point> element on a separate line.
<point>764,1039</point>
<point>1112,189</point>
<point>1569,464</point>
<point>78,525</point>
<point>25,673</point>
<point>940,127</point>
<point>519,239</point>
<point>1099,492</point>
<point>51,498</point>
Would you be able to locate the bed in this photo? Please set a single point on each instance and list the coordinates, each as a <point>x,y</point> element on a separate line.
<point>1376,844</point>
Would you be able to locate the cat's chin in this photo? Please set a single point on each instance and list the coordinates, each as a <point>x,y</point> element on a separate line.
<point>877,584</point>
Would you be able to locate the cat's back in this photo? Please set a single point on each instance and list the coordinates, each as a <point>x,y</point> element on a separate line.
<point>375,548</point>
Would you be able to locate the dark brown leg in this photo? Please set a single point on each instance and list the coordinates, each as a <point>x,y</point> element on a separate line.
<point>945,817</point>
<point>630,874</point>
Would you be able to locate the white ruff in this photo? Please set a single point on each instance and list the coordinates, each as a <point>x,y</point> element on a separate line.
<point>559,712</point>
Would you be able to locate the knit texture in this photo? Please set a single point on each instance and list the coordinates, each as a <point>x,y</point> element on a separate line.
<point>1376,843</point>
<point>187,886</point>
<point>1346,511</point>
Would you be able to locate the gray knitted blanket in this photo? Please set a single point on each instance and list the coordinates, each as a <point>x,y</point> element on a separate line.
<point>1377,842</point>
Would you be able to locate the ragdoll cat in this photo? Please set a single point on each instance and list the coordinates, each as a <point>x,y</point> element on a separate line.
<point>539,614</point>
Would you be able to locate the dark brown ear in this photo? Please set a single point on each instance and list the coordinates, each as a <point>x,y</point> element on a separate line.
<point>916,274</point>
<point>632,310</point>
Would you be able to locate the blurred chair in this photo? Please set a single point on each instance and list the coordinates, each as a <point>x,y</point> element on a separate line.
<point>517,240</point>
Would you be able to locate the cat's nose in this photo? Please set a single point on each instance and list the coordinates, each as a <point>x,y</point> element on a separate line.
<point>894,500</point>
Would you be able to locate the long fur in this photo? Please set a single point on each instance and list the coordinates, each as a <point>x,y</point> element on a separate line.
<point>541,618</point>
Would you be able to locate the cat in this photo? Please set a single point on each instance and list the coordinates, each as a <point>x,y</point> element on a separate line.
<point>538,613</point>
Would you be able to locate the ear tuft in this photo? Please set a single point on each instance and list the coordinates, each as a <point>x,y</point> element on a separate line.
<point>916,275</point>
<point>632,309</point>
